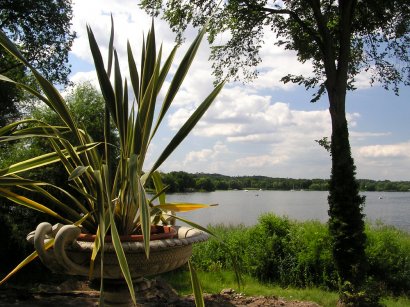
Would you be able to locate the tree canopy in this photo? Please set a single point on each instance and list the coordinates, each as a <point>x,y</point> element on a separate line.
<point>42,31</point>
<point>378,32</point>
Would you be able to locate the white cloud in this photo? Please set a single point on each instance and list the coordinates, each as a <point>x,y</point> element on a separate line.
<point>261,161</point>
<point>259,136</point>
<point>359,136</point>
<point>401,150</point>
<point>242,117</point>
<point>352,119</point>
<point>201,156</point>
<point>388,161</point>
<point>267,137</point>
<point>83,76</point>
<point>206,155</point>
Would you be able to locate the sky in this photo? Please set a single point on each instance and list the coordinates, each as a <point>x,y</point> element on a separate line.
<point>261,128</point>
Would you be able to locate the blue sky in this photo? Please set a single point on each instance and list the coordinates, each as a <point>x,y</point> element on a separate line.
<point>261,128</point>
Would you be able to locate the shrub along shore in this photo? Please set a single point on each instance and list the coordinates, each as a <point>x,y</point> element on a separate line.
<point>296,254</point>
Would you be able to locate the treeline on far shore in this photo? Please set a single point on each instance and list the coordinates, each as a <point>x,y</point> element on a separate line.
<point>185,182</point>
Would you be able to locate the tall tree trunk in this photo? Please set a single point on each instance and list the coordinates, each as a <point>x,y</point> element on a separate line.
<point>346,223</point>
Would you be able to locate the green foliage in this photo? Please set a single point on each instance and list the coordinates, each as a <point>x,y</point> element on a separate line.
<point>346,223</point>
<point>214,256</point>
<point>377,45</point>
<point>205,184</point>
<point>299,254</point>
<point>388,253</point>
<point>268,259</point>
<point>315,266</point>
<point>39,27</point>
<point>384,185</point>
<point>179,182</point>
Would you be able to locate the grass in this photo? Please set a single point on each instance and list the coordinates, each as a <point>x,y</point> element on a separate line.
<point>396,302</point>
<point>214,282</point>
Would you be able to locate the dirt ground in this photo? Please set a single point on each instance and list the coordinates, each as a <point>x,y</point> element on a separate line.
<point>79,294</point>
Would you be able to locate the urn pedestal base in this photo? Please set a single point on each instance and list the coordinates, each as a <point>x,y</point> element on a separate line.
<point>116,292</point>
<point>71,256</point>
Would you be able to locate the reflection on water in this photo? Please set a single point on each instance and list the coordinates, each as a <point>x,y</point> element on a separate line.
<point>244,207</point>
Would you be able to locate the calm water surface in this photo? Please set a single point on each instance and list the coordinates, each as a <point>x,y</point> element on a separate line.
<point>241,207</point>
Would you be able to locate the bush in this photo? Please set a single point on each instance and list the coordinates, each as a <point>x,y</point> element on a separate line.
<point>388,253</point>
<point>276,250</point>
<point>290,253</point>
<point>311,243</point>
<point>212,255</point>
<point>268,255</point>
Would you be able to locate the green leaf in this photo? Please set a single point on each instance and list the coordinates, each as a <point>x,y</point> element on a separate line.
<point>147,109</point>
<point>78,171</point>
<point>42,160</point>
<point>133,72</point>
<point>149,60</point>
<point>62,207</point>
<point>122,260</point>
<point>118,92</point>
<point>159,186</point>
<point>14,181</point>
<point>43,130</point>
<point>54,100</point>
<point>126,124</point>
<point>139,196</point>
<point>103,78</point>
<point>165,69</point>
<point>110,48</point>
<point>28,89</point>
<point>12,49</point>
<point>196,287</point>
<point>96,248</point>
<point>32,204</point>
<point>57,103</point>
<point>162,76</point>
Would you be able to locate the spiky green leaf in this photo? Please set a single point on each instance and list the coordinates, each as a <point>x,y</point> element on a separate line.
<point>196,287</point>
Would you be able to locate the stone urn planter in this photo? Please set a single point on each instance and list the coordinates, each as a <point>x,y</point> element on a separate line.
<point>72,251</point>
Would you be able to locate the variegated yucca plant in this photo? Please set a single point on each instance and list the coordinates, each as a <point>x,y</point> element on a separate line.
<point>112,201</point>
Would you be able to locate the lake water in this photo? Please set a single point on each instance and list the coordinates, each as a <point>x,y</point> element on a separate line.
<point>244,207</point>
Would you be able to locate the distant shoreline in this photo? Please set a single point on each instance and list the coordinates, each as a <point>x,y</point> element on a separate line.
<point>179,181</point>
